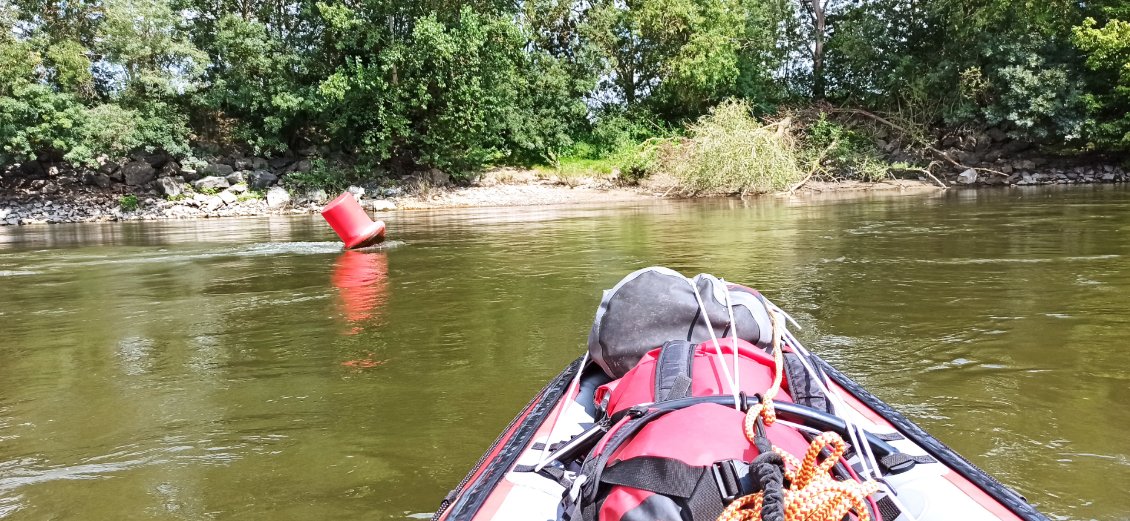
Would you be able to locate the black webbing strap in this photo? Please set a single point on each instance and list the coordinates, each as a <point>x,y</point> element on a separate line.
<point>665,476</point>
<point>705,489</point>
<point>594,466</point>
<point>901,462</point>
<point>673,370</point>
<point>889,436</point>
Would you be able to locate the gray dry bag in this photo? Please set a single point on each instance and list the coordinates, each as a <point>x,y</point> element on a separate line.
<point>654,305</point>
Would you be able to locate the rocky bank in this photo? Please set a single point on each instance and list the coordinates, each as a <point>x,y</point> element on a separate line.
<point>148,187</point>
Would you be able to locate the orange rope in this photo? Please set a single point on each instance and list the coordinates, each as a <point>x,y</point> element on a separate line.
<point>812,494</point>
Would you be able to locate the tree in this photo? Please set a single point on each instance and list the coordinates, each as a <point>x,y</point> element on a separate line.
<point>680,55</point>
<point>1108,55</point>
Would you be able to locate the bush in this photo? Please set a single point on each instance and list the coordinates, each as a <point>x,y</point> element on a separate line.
<point>128,203</point>
<point>849,153</point>
<point>728,151</point>
<point>325,175</point>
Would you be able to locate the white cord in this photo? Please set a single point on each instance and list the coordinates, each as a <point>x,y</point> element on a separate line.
<point>561,412</point>
<point>733,335</point>
<point>717,347</point>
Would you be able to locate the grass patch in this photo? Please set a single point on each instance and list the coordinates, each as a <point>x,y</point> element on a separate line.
<point>128,202</point>
<point>250,195</point>
<point>730,152</point>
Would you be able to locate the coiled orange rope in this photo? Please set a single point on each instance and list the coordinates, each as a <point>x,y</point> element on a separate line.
<point>812,494</point>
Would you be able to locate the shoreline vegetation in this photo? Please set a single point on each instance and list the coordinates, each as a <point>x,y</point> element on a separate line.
<point>503,187</point>
<point>111,109</point>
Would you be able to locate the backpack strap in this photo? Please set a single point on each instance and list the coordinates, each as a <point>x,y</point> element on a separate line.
<point>673,370</point>
<point>707,489</point>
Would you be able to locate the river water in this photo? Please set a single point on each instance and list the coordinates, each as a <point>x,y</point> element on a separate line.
<point>250,370</point>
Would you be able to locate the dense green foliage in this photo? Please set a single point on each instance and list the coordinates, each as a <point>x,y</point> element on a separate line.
<point>400,85</point>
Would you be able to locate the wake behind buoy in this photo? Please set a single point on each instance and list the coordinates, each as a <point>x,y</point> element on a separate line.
<point>351,223</point>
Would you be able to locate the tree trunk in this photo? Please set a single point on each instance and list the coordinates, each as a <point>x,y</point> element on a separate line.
<point>819,31</point>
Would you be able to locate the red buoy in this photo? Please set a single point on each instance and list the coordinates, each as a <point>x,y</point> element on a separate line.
<point>351,223</point>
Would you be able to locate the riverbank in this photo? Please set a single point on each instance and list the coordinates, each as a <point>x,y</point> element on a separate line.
<point>49,203</point>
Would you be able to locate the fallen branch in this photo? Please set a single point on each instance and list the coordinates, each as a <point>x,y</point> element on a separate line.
<point>904,130</point>
<point>816,167</point>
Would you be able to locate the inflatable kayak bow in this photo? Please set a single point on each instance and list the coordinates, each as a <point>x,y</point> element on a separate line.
<point>695,403</point>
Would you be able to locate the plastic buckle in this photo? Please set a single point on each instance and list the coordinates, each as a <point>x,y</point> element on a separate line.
<point>729,486</point>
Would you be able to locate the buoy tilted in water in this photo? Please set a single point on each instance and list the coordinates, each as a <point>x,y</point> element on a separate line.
<point>351,223</point>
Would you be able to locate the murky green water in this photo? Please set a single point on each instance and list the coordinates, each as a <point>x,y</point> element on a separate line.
<point>219,369</point>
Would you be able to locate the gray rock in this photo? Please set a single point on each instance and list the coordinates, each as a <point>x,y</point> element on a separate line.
<point>169,169</point>
<point>100,180</point>
<point>228,197</point>
<point>169,186</point>
<point>379,205</point>
<point>242,163</point>
<point>12,221</point>
<point>439,177</point>
<point>261,179</point>
<point>1108,177</point>
<point>137,173</point>
<point>303,166</point>
<point>109,168</point>
<point>211,183</point>
<point>316,196</point>
<point>211,203</point>
<point>235,178</point>
<point>238,188</point>
<point>308,151</point>
<point>158,160</point>
<point>357,192</point>
<point>258,163</point>
<point>279,163</point>
<point>430,179</point>
<point>216,169</point>
<point>189,174</point>
<point>277,197</point>
<point>4,213</point>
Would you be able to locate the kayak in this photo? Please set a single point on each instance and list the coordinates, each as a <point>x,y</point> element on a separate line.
<point>573,441</point>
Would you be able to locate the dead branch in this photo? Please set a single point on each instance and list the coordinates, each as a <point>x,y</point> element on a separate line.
<point>904,130</point>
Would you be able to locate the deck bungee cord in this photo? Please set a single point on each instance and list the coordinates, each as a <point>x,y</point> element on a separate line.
<point>573,386</point>
<point>869,466</point>
<point>812,494</point>
<point>731,381</point>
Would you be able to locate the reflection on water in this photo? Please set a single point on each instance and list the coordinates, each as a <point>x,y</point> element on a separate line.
<point>361,280</point>
<point>250,369</point>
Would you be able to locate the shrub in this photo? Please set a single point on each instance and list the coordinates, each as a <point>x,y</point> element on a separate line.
<point>847,152</point>
<point>728,151</point>
<point>128,203</point>
<point>326,175</point>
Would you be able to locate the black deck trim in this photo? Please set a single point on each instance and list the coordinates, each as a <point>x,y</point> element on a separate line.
<point>471,496</point>
<point>947,456</point>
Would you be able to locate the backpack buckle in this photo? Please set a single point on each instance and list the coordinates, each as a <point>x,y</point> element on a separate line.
<point>728,481</point>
